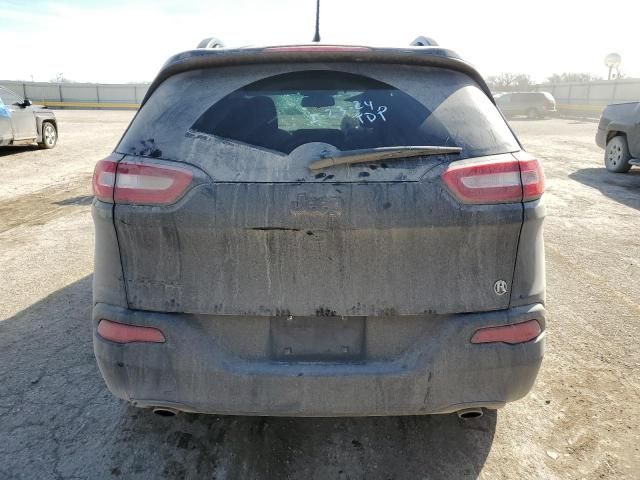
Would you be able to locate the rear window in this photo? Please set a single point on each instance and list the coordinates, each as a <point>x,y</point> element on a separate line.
<point>268,122</point>
<point>344,110</point>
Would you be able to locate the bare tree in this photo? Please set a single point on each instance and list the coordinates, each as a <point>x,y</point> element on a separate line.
<point>506,82</point>
<point>60,78</point>
<point>572,77</point>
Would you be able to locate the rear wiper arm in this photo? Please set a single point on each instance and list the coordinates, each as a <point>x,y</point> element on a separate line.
<point>329,159</point>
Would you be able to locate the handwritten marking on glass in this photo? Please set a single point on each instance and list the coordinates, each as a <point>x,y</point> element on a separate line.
<point>366,110</point>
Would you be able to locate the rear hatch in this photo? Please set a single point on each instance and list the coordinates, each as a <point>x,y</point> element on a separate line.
<point>258,232</point>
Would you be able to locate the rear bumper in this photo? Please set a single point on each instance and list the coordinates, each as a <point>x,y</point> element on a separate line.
<point>414,365</point>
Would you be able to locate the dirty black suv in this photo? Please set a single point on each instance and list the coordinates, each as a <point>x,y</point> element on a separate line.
<point>318,230</point>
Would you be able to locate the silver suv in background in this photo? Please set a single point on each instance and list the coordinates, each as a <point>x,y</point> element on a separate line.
<point>533,105</point>
<point>22,123</point>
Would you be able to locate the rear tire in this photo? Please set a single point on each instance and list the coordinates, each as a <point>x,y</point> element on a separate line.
<point>616,155</point>
<point>49,135</point>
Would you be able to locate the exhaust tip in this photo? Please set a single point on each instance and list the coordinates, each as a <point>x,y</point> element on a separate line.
<point>165,411</point>
<point>469,413</point>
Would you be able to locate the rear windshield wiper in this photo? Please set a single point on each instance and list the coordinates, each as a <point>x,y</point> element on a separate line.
<point>375,154</point>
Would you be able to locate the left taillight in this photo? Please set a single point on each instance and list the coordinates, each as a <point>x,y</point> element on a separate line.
<point>517,178</point>
<point>104,179</point>
<point>139,183</point>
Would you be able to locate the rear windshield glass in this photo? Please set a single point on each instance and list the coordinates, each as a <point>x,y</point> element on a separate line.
<point>344,110</point>
<point>269,122</point>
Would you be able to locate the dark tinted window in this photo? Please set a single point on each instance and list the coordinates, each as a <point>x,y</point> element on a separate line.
<point>345,110</point>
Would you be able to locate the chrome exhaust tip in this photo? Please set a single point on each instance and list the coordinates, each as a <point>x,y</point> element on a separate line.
<point>469,413</point>
<point>165,411</point>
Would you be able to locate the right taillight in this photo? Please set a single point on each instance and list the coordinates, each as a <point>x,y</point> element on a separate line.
<point>504,180</point>
<point>139,182</point>
<point>532,176</point>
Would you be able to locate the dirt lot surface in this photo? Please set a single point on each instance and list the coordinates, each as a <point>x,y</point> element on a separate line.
<point>57,419</point>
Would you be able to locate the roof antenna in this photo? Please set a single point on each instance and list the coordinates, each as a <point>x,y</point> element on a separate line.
<point>316,37</point>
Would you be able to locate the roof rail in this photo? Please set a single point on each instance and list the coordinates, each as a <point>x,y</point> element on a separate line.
<point>211,42</point>
<point>423,41</point>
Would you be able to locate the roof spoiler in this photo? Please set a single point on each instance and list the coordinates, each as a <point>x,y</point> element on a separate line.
<point>423,41</point>
<point>210,42</point>
<point>200,58</point>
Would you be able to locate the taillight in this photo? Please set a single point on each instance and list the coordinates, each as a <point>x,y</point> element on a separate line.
<point>123,333</point>
<point>532,176</point>
<point>146,183</point>
<point>511,334</point>
<point>104,178</point>
<point>495,181</point>
<point>134,182</point>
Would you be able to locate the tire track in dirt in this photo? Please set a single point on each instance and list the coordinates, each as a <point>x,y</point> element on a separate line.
<point>39,207</point>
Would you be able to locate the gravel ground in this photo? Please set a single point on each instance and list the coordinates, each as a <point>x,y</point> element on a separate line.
<point>57,420</point>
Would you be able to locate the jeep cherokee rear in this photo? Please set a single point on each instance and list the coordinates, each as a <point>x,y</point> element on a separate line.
<point>319,231</point>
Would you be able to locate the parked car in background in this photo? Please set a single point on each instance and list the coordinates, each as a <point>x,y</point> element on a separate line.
<point>532,104</point>
<point>312,230</point>
<point>619,135</point>
<point>22,123</point>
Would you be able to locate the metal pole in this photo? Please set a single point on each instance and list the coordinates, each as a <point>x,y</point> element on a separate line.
<point>316,37</point>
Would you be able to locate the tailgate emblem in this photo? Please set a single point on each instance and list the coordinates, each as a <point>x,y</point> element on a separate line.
<point>330,205</point>
<point>500,287</point>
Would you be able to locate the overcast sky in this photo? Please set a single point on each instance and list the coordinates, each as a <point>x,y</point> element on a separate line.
<point>125,40</point>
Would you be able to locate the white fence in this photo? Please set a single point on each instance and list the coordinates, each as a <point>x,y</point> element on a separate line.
<point>589,98</point>
<point>80,95</point>
<point>584,98</point>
